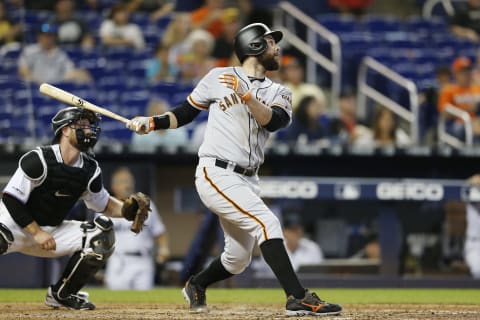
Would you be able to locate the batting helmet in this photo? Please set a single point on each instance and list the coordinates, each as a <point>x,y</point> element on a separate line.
<point>69,115</point>
<point>250,41</point>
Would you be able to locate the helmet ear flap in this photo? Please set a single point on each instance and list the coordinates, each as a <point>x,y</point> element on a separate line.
<point>258,46</point>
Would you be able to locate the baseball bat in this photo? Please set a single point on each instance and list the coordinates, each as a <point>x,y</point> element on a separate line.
<point>71,99</point>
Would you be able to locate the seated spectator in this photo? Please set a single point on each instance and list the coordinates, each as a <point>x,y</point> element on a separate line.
<point>46,62</point>
<point>385,131</point>
<point>293,77</point>
<point>157,9</point>
<point>355,7</point>
<point>209,17</point>
<point>72,30</point>
<point>117,31</point>
<point>306,127</point>
<point>465,22</point>
<point>463,94</point>
<point>223,48</point>
<point>10,31</point>
<point>159,138</point>
<point>174,36</point>
<point>159,68</point>
<point>301,250</point>
<point>197,61</point>
<point>344,127</point>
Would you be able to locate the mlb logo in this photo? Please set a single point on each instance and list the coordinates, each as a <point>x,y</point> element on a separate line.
<point>471,194</point>
<point>347,191</point>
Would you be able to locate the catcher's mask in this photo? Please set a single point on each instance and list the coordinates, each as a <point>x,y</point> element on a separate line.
<point>250,40</point>
<point>68,116</point>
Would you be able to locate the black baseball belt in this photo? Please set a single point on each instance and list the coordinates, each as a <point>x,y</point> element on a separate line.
<point>238,169</point>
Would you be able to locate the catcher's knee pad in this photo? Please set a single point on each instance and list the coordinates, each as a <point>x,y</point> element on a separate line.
<point>102,238</point>
<point>236,264</point>
<point>6,238</point>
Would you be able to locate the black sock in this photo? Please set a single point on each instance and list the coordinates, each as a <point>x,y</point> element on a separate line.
<point>275,254</point>
<point>215,272</point>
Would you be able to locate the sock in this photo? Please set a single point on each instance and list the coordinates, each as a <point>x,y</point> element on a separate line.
<point>213,273</point>
<point>276,256</point>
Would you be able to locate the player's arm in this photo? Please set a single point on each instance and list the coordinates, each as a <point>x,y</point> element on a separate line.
<point>29,174</point>
<point>272,118</point>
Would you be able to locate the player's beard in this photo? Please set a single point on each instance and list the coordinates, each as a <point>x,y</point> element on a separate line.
<point>268,62</point>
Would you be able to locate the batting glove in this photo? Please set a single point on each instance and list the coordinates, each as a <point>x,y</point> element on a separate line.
<point>141,125</point>
<point>240,86</point>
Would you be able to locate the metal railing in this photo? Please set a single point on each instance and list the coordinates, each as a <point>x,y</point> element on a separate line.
<point>428,6</point>
<point>285,19</point>
<point>445,137</point>
<point>366,91</point>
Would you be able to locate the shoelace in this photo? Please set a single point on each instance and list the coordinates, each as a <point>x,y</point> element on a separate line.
<point>199,295</point>
<point>316,299</point>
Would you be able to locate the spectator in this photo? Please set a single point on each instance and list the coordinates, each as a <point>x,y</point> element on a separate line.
<point>465,22</point>
<point>132,264</point>
<point>307,125</point>
<point>164,138</point>
<point>45,62</point>
<point>9,30</point>
<point>301,250</point>
<point>293,77</point>
<point>159,67</point>
<point>174,37</point>
<point>197,61</point>
<point>156,8</point>
<point>223,48</point>
<point>117,31</point>
<point>355,7</point>
<point>385,131</point>
<point>344,127</point>
<point>71,30</point>
<point>209,17</point>
<point>472,237</point>
<point>463,94</point>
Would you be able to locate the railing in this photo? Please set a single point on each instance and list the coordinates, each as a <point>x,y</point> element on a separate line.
<point>285,21</point>
<point>428,6</point>
<point>445,137</point>
<point>365,91</point>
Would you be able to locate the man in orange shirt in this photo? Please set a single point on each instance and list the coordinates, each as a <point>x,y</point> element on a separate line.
<point>463,94</point>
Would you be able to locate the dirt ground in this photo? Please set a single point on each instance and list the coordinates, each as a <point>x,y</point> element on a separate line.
<point>16,311</point>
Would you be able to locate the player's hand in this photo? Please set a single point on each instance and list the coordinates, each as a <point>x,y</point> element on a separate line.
<point>240,86</point>
<point>45,240</point>
<point>475,180</point>
<point>141,125</point>
<point>163,254</point>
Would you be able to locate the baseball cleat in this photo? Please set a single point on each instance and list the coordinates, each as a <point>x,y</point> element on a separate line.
<point>310,305</point>
<point>195,295</point>
<point>74,301</point>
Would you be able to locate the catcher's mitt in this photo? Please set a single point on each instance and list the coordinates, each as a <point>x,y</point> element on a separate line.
<point>135,208</point>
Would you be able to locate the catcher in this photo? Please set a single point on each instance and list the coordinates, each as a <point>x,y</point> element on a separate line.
<point>47,183</point>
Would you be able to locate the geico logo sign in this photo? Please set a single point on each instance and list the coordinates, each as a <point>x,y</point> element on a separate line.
<point>409,191</point>
<point>289,189</point>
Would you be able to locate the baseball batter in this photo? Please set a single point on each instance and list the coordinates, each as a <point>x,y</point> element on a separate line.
<point>244,107</point>
<point>132,264</point>
<point>46,185</point>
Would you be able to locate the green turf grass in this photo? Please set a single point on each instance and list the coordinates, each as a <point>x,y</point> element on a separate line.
<point>263,296</point>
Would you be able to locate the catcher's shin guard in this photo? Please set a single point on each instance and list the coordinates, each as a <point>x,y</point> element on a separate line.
<point>84,264</point>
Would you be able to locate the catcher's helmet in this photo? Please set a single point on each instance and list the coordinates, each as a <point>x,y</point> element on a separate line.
<point>69,115</point>
<point>250,41</point>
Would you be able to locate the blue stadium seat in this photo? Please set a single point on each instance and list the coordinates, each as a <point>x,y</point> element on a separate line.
<point>338,23</point>
<point>381,23</point>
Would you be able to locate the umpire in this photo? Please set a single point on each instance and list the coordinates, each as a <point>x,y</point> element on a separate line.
<point>46,185</point>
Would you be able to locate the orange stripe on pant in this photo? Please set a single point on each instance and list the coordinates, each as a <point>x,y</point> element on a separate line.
<point>236,205</point>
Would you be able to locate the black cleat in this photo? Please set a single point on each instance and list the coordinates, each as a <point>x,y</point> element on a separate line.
<point>74,301</point>
<point>195,295</point>
<point>310,305</point>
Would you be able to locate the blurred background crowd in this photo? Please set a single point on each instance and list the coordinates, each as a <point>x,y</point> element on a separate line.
<point>136,57</point>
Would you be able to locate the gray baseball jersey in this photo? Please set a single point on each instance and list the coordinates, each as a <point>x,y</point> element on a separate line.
<point>232,133</point>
